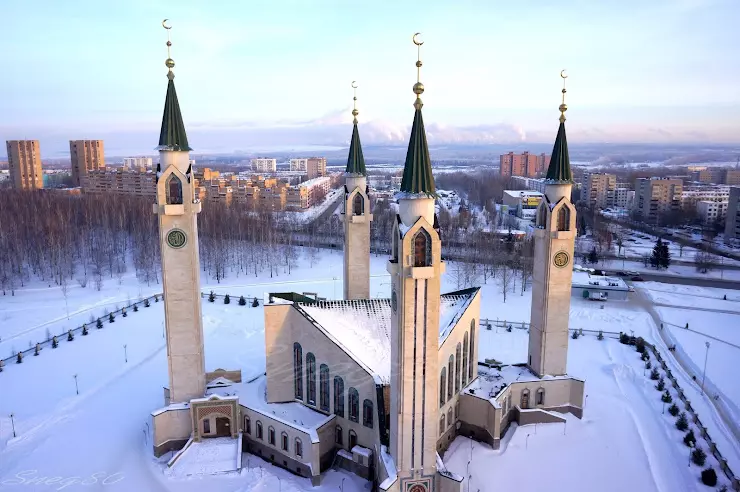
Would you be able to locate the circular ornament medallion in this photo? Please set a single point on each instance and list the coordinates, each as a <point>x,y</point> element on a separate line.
<point>561,259</point>
<point>176,238</point>
<point>394,301</point>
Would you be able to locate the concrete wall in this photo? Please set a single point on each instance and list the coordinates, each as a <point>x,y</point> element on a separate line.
<point>171,429</point>
<point>356,242</point>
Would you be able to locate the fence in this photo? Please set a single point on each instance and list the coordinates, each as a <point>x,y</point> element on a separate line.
<point>695,419</point>
<point>523,325</point>
<point>64,336</point>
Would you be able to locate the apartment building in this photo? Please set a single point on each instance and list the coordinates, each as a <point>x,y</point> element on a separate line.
<point>24,164</point>
<point>85,156</point>
<point>136,182</point>
<point>522,203</point>
<point>623,197</point>
<point>137,162</point>
<point>657,196</point>
<point>732,177</point>
<point>710,212</point>
<point>732,219</point>
<point>691,195</point>
<point>298,165</point>
<point>534,184</point>
<point>315,167</point>
<point>264,165</point>
<point>600,190</point>
<point>524,164</point>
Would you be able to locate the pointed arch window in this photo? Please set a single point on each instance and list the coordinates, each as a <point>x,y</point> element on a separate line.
<point>311,379</point>
<point>298,448</point>
<point>259,429</point>
<point>442,425</point>
<point>354,405</point>
<point>524,403</point>
<point>465,360</point>
<point>451,373</point>
<point>458,353</point>
<point>358,204</point>
<point>284,441</point>
<point>540,398</point>
<point>298,371</point>
<point>271,435</point>
<point>564,218</point>
<point>338,396</point>
<point>442,387</point>
<point>247,425</point>
<point>324,387</point>
<point>174,190</point>
<point>338,435</point>
<point>422,249</point>
<point>367,413</point>
<point>472,360</point>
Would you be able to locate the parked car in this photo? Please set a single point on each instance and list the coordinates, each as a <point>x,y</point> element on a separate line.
<point>637,278</point>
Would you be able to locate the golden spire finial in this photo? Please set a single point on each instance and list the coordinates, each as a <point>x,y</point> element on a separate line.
<point>354,102</point>
<point>563,107</point>
<point>169,62</point>
<point>418,86</point>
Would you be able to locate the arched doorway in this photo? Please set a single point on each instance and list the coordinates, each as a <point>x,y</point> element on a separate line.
<point>223,427</point>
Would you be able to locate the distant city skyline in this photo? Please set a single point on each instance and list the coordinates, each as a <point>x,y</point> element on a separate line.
<point>260,75</point>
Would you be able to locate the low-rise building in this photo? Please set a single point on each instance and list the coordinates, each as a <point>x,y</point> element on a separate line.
<point>534,184</point>
<point>522,203</point>
<point>598,287</point>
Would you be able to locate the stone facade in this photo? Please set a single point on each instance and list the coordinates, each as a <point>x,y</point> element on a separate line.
<point>357,218</point>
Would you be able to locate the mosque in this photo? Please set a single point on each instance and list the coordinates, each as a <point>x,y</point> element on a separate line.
<point>376,386</point>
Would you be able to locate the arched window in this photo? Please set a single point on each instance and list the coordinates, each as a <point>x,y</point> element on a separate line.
<point>472,362</point>
<point>395,246</point>
<point>311,378</point>
<point>442,386</point>
<point>298,448</point>
<point>442,425</point>
<point>457,409</point>
<point>524,403</point>
<point>338,396</point>
<point>367,413</point>
<point>259,429</point>
<point>271,435</point>
<point>247,425</point>
<point>465,360</point>
<point>449,417</point>
<point>174,190</point>
<point>358,204</point>
<point>352,439</point>
<point>298,371</point>
<point>542,216</point>
<point>451,373</point>
<point>284,441</point>
<point>422,249</point>
<point>564,218</point>
<point>458,353</point>
<point>540,396</point>
<point>338,435</point>
<point>354,405</point>
<point>324,387</point>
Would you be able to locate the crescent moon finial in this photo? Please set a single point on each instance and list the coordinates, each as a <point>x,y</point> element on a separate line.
<point>354,84</point>
<point>164,24</point>
<point>415,40</point>
<point>562,74</point>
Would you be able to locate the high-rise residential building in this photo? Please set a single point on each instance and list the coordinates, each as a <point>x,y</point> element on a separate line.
<point>624,197</point>
<point>24,164</point>
<point>137,182</point>
<point>732,220</point>
<point>137,162</point>
<point>711,175</point>
<point>691,195</point>
<point>315,167</point>
<point>710,212</point>
<point>600,190</point>
<point>657,196</point>
<point>525,164</point>
<point>732,177</point>
<point>298,165</point>
<point>85,155</point>
<point>264,165</point>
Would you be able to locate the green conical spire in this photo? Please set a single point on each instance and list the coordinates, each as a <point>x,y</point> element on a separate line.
<point>417,171</point>
<point>355,160</point>
<point>559,169</point>
<point>172,134</point>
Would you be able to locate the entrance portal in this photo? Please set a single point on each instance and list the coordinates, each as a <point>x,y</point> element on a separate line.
<point>223,427</point>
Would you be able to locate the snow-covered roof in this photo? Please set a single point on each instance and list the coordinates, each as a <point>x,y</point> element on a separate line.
<point>491,381</point>
<point>362,328</point>
<point>252,395</point>
<point>582,279</point>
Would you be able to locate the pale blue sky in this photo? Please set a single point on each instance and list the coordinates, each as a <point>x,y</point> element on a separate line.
<point>280,71</point>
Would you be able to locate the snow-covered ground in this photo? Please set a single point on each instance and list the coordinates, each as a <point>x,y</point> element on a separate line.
<point>101,434</point>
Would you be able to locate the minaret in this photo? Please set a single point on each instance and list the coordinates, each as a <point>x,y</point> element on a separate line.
<point>554,239</point>
<point>415,269</point>
<point>357,218</point>
<point>178,211</point>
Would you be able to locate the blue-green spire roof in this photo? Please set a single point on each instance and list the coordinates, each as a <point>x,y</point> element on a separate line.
<point>417,171</point>
<point>355,160</point>
<point>172,134</point>
<point>559,169</point>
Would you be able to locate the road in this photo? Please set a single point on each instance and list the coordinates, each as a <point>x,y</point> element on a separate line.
<point>676,279</point>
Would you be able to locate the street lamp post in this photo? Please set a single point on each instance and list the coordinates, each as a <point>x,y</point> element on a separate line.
<point>341,487</point>
<point>704,376</point>
<point>125,353</point>
<point>12,423</point>
<point>77,388</point>
<point>526,442</point>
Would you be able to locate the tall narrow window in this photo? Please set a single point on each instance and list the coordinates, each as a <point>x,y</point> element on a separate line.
<point>354,405</point>
<point>465,360</point>
<point>358,204</point>
<point>542,216</point>
<point>311,378</point>
<point>422,249</point>
<point>284,441</point>
<point>206,426</point>
<point>524,403</point>
<point>338,435</point>
<point>564,218</point>
<point>298,371</point>
<point>352,439</point>
<point>324,387</point>
<point>458,353</point>
<point>271,435</point>
<point>258,425</point>
<point>338,396</point>
<point>367,413</point>
<point>451,373</point>
<point>541,396</point>
<point>442,386</point>
<point>247,425</point>
<point>449,417</point>
<point>174,190</point>
<point>298,448</point>
<point>442,425</point>
<point>472,362</point>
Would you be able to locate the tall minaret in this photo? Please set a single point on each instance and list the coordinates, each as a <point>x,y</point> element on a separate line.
<point>554,239</point>
<point>415,269</point>
<point>357,218</point>
<point>178,211</point>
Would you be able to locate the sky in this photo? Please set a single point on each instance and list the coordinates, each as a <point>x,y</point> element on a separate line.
<point>265,74</point>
